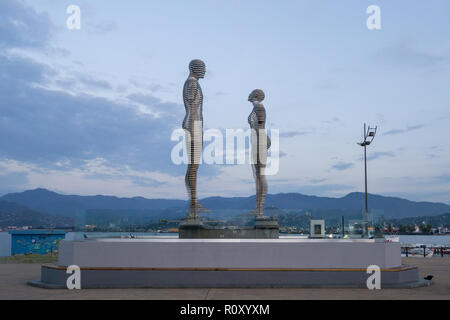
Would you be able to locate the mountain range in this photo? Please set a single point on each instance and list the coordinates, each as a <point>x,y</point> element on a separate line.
<point>13,214</point>
<point>52,203</point>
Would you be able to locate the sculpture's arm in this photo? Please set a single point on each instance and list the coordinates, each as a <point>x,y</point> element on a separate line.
<point>201,104</point>
<point>185,116</point>
<point>261,114</point>
<point>189,95</point>
<point>191,90</point>
<point>184,121</point>
<point>252,120</point>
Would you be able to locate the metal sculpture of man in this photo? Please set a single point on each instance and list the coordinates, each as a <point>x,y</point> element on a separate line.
<point>260,144</point>
<point>193,126</point>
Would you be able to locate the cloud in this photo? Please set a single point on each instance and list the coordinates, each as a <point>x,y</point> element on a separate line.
<point>291,134</point>
<point>377,155</point>
<point>315,181</point>
<point>48,125</point>
<point>100,169</point>
<point>158,107</point>
<point>18,72</point>
<point>332,120</point>
<point>81,83</point>
<point>102,28</point>
<point>140,84</point>
<point>59,133</point>
<point>90,177</point>
<point>92,82</point>
<point>11,181</point>
<point>22,27</point>
<point>342,166</point>
<point>407,129</point>
<point>406,54</point>
<point>393,131</point>
<point>444,178</point>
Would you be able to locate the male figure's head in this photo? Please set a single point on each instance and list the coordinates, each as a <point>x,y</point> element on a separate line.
<point>197,68</point>
<point>256,95</point>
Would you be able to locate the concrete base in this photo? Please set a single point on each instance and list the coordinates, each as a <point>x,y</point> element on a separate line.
<point>223,263</point>
<point>54,277</point>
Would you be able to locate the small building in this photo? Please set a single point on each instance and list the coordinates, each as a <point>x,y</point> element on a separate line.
<point>35,241</point>
<point>317,229</point>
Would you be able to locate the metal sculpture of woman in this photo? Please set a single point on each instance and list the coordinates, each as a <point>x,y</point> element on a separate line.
<point>260,144</point>
<point>193,126</point>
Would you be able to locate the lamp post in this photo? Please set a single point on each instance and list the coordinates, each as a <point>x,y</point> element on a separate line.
<point>369,135</point>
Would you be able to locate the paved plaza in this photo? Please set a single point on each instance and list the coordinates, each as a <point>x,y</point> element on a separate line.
<point>14,277</point>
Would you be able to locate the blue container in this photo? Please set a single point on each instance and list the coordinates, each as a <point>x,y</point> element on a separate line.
<point>35,241</point>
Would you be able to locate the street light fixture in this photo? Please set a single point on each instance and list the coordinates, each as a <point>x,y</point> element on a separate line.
<point>369,135</point>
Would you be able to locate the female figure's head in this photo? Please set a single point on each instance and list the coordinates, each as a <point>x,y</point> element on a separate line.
<point>256,96</point>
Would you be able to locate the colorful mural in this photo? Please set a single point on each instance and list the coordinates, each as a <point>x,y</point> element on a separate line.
<point>35,241</point>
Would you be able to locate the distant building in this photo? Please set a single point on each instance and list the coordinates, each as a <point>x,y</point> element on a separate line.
<point>443,230</point>
<point>35,241</point>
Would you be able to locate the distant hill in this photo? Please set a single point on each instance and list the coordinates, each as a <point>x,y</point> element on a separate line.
<point>12,214</point>
<point>54,203</point>
<point>390,207</point>
<point>49,202</point>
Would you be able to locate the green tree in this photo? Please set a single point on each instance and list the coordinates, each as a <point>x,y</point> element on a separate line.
<point>425,228</point>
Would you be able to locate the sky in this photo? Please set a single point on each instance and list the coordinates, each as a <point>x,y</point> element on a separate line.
<point>91,111</point>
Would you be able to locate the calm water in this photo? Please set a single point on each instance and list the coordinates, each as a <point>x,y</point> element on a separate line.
<point>427,240</point>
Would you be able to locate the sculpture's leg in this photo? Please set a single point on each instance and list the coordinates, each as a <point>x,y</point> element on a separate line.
<point>257,175</point>
<point>194,146</point>
<point>191,173</point>
<point>261,166</point>
<point>191,186</point>
<point>262,189</point>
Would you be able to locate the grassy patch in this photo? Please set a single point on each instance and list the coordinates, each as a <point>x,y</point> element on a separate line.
<point>29,258</point>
